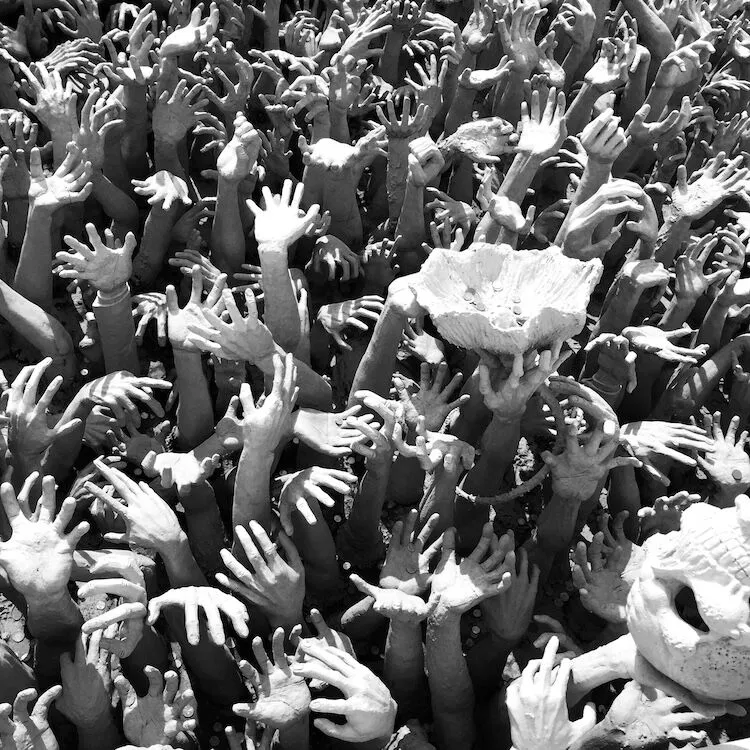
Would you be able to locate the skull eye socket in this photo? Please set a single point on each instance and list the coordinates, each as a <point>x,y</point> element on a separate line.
<point>687,609</point>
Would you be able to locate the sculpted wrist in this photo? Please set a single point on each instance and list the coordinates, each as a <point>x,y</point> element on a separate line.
<point>109,297</point>
<point>606,384</point>
<point>172,549</point>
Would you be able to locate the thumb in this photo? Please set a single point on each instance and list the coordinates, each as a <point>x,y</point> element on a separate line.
<point>154,610</point>
<point>587,721</point>
<point>366,588</point>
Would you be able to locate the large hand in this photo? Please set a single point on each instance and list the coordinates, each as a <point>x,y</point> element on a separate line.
<point>181,470</point>
<point>537,705</point>
<point>325,636</point>
<point>462,585</point>
<point>684,65</point>
<point>652,716</point>
<point>728,465</point>
<point>267,423</point>
<point>434,448</point>
<point>238,158</point>
<point>615,362</point>
<point>611,199</point>
<point>85,16</point>
<point>177,111</point>
<point>395,604</point>
<point>508,613</point>
<point>367,706</point>
<point>517,31</point>
<point>239,338</point>
<point>282,222</point>
<point>179,320</point>
<point>275,585</point>
<point>646,134</point>
<point>21,729</point>
<point>213,602</point>
<point>151,306</point>
<point>603,589</point>
<point>433,398</point>
<point>162,188</point>
<point>122,626</point>
<point>650,439</point>
<point>578,471</point>
<point>329,253</point>
<point>98,117</point>
<point>407,563</point>
<point>307,484</point>
<point>282,697</point>
<point>477,33</point>
<point>29,434</point>
<point>69,183</point>
<point>542,131</point>
<point>160,715</point>
<point>194,35</point>
<point>55,105</point>
<point>508,397</point>
<point>123,393</point>
<point>38,556</point>
<point>613,64</point>
<point>327,432</point>
<point>106,267</point>
<point>338,315</point>
<point>665,514</point>
<point>86,682</point>
<point>661,343</point>
<point>426,162</point>
<point>691,281</point>
<point>149,521</point>
<point>603,139</point>
<point>706,189</point>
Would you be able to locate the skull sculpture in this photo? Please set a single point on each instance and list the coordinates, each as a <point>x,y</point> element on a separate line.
<point>707,650</point>
<point>504,300</point>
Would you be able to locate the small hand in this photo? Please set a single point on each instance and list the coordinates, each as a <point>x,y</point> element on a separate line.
<point>69,183</point>
<point>665,514</point>
<point>367,706</point>
<point>728,465</point>
<point>275,585</point>
<point>160,715</point>
<point>653,716</point>
<point>213,602</point>
<point>661,343</point>
<point>395,604</point>
<point>282,697</point>
<point>38,556</point>
<point>332,252</point>
<point>29,433</point>
<point>407,562</point>
<point>163,188</point>
<point>191,37</point>
<point>282,221</point>
<point>425,161</point>
<point>300,486</point>
<point>537,708</point>
<point>461,585</point>
<point>433,398</point>
<point>21,729</point>
<point>149,521</point>
<point>107,267</point>
<point>86,682</point>
<point>578,471</point>
<point>121,628</point>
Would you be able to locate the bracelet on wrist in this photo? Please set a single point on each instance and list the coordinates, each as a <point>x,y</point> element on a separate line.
<point>605,387</point>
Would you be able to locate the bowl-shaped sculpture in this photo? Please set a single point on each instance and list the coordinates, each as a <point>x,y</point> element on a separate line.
<point>506,301</point>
